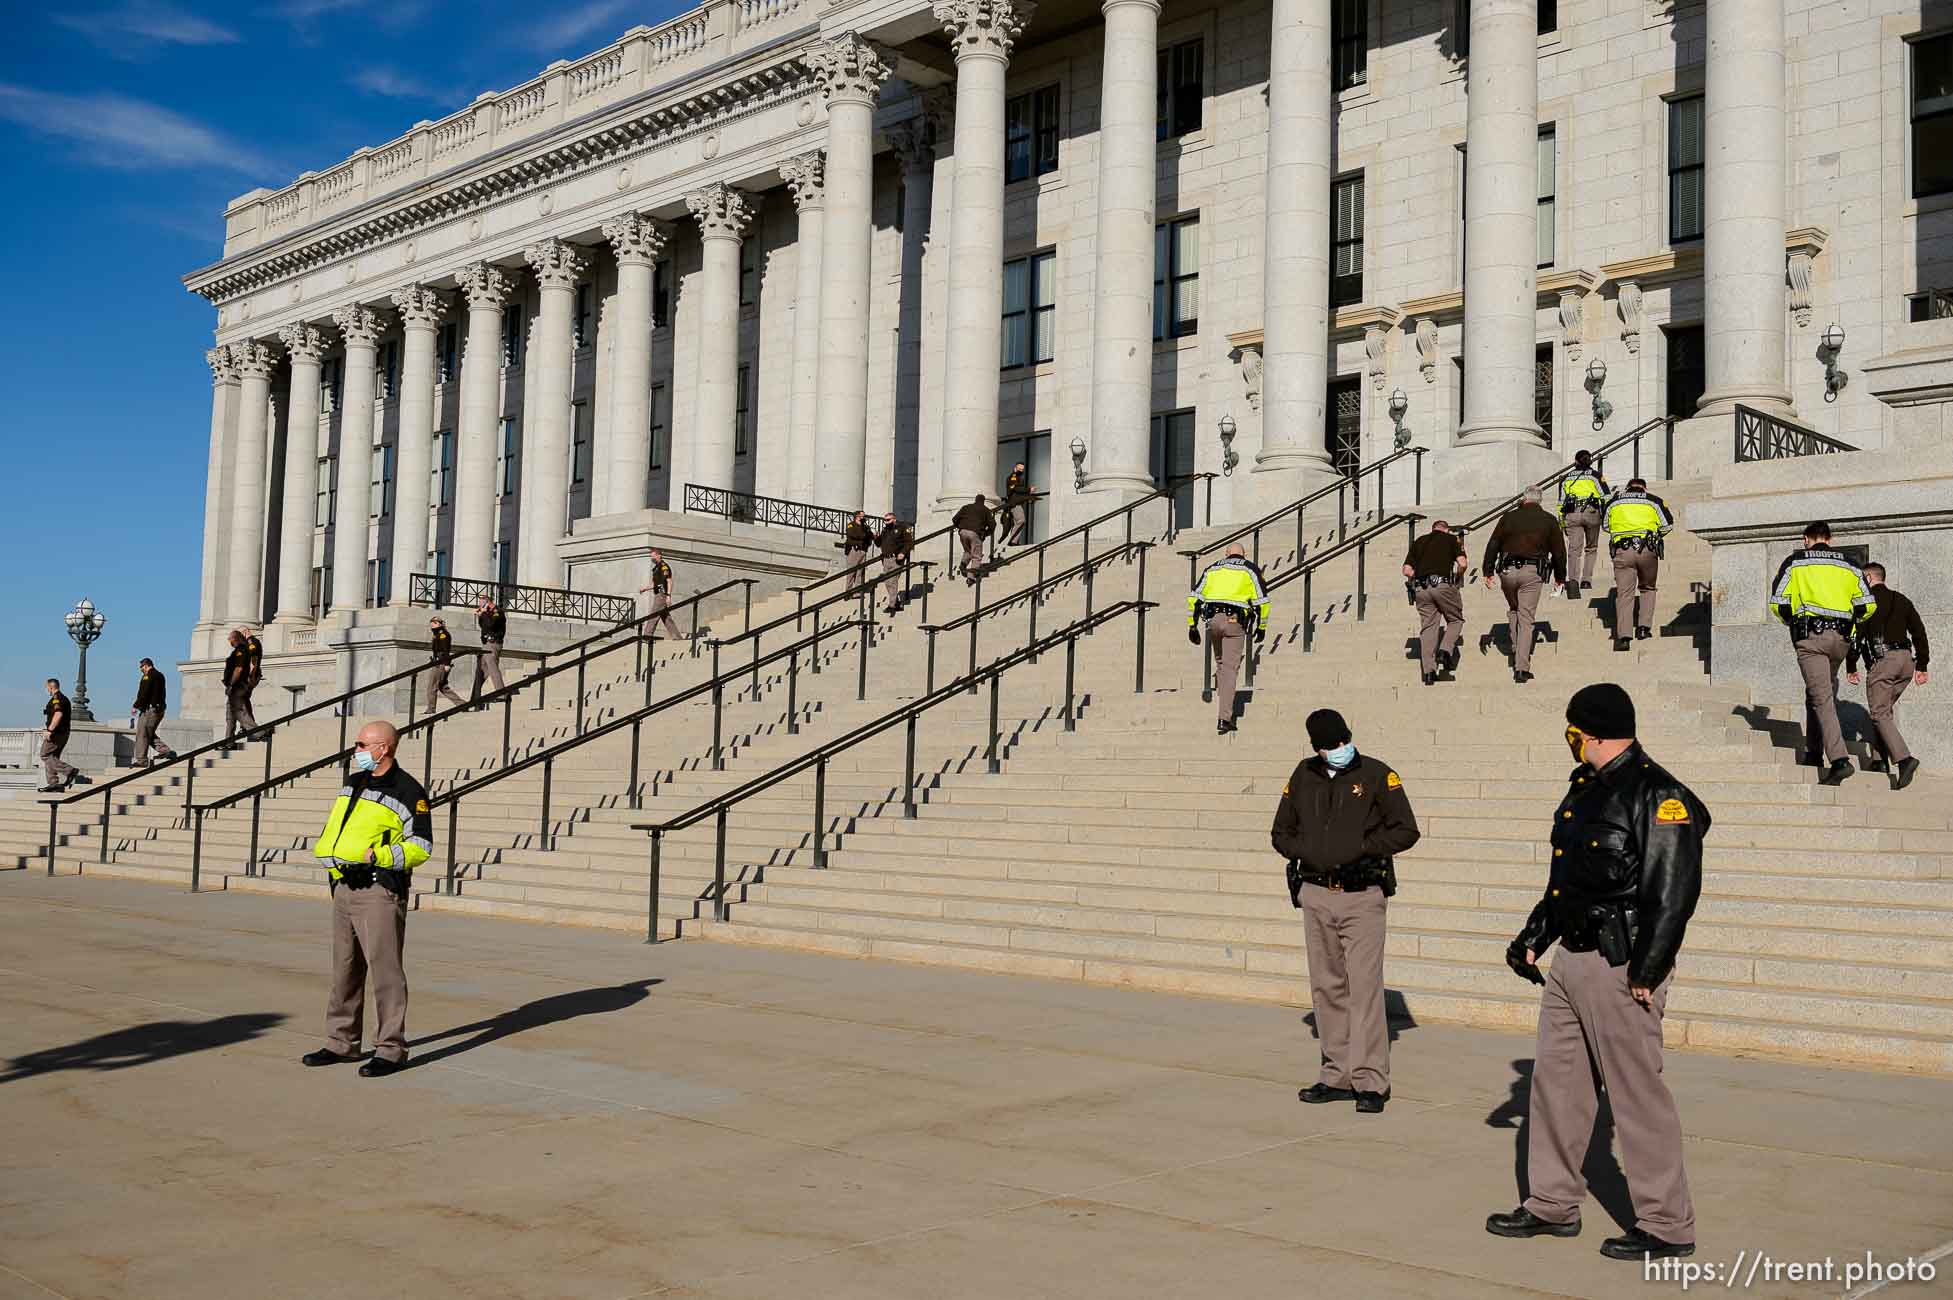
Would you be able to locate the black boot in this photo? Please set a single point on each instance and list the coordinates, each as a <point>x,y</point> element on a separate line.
<point>1371,1103</point>
<point>1908,768</point>
<point>1318,1093</point>
<point>1522,1222</point>
<point>1836,773</point>
<point>1621,643</point>
<point>1643,633</point>
<point>1430,679</point>
<point>1636,1244</point>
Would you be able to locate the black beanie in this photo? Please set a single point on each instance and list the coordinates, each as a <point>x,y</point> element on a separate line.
<point>1327,729</point>
<point>1603,711</point>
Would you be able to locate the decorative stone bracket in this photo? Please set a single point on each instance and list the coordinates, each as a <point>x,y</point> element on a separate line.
<point>1801,247</point>
<point>1427,349</point>
<point>1629,299</point>
<point>1244,347</point>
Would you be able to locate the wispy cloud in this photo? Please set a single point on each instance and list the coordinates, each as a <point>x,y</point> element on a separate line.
<point>136,29</point>
<point>115,131</point>
<point>577,25</point>
<point>392,15</point>
<point>392,83</point>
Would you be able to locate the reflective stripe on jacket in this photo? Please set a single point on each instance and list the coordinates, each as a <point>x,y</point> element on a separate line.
<point>1582,491</point>
<point>1231,583</point>
<point>1821,583</point>
<point>386,814</point>
<point>1636,514</point>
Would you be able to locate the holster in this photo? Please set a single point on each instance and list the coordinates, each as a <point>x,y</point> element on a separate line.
<point>1597,926</point>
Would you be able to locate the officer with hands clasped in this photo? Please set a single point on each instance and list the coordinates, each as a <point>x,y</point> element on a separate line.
<point>1342,820</point>
<point>1627,871</point>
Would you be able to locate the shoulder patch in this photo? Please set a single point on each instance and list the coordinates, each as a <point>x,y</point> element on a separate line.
<point>420,806</point>
<point>1391,781</point>
<point>1285,786</point>
<point>1672,812</point>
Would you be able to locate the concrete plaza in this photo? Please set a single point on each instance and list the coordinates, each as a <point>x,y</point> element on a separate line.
<point>589,1117</point>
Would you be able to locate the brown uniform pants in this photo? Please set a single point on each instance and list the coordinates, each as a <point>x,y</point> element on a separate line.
<point>1818,659</point>
<point>1593,1034</point>
<point>1227,639</point>
<point>146,723</point>
<point>1885,682</point>
<point>56,770</point>
<point>1582,543</point>
<point>237,711</point>
<point>1522,587</point>
<point>369,933</point>
<point>488,665</point>
<point>1016,519</point>
<point>972,548</point>
<point>892,567</point>
<point>1635,572</point>
<point>854,559</point>
<point>1442,614</point>
<point>1345,936</point>
<point>660,615</point>
<point>437,685</point>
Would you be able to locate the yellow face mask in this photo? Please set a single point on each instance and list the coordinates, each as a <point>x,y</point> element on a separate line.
<point>1576,740</point>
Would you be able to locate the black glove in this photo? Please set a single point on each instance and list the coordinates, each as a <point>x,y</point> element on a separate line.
<point>1261,634</point>
<point>1193,635</point>
<point>1515,957</point>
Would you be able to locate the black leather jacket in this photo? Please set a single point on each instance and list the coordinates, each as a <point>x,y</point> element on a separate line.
<point>1627,839</point>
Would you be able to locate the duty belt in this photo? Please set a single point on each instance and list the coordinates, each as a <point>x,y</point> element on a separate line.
<point>1523,562</point>
<point>1638,542</point>
<point>1805,625</point>
<point>1437,580</point>
<point>1877,650</point>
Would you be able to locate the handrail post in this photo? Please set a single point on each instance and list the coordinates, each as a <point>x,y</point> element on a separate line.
<point>251,863</point>
<point>651,908</point>
<point>719,867</point>
<point>756,663</point>
<point>1417,461</point>
<point>454,822</point>
<point>820,812</point>
<point>974,620</point>
<point>1210,501</point>
<point>196,856</point>
<point>1037,595</point>
<point>581,660</point>
<point>908,781</point>
<point>793,692</point>
<point>994,761</point>
<point>926,584</point>
<point>542,683</point>
<point>1301,541</point>
<point>1037,592</point>
<point>345,712</point>
<point>718,701</point>
<point>1342,514</point>
<point>1130,511</point>
<point>695,632</point>
<point>867,633</point>
<point>929,686</point>
<point>799,605</point>
<point>53,815</point>
<point>508,720</point>
<point>190,778</point>
<point>1071,667</point>
<point>1362,590</point>
<point>1308,610</point>
<point>749,605</point>
<point>637,727</point>
<point>1088,593</point>
<point>814,654</point>
<point>1668,455</point>
<point>108,811</point>
<point>650,668</point>
<point>1379,491</point>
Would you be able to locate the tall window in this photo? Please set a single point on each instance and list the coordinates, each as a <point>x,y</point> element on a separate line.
<point>389,369</point>
<point>1030,134</point>
<point>503,560</point>
<point>1543,390</point>
<point>1182,68</point>
<point>1549,16</point>
<point>584,330</point>
<point>579,441</point>
<point>508,474</point>
<point>1461,30</point>
<point>379,580</point>
<point>447,353</point>
<point>1684,169</point>
<point>1346,242</point>
<point>380,499</point>
<point>660,425</point>
<point>1932,116</point>
<point>742,413</point>
<point>441,490</point>
<point>1030,309</point>
<point>332,373</point>
<point>1549,173</point>
<point>1176,278</point>
<point>661,292</point>
<point>441,563</point>
<point>749,270</point>
<point>321,591</point>
<point>326,508</point>
<point>1173,459</point>
<point>512,335</point>
<point>1349,25</point>
<point>1342,433</point>
<point>1687,371</point>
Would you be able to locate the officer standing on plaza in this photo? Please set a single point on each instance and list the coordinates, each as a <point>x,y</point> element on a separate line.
<point>493,625</point>
<point>1231,598</point>
<point>378,831</point>
<point>1583,494</point>
<point>1525,547</point>
<point>1893,644</point>
<point>1637,520</point>
<point>152,702</point>
<point>660,589</point>
<point>855,543</point>
<point>1435,565</point>
<point>238,717</point>
<point>55,720</point>
<point>895,541</point>
<point>973,523</point>
<point>1822,598</point>
<point>1018,495</point>
<point>1627,870</point>
<point>1342,820</point>
<point>443,663</point>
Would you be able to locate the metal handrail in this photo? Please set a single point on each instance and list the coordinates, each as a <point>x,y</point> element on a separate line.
<point>818,757</point>
<point>1034,597</point>
<point>774,511</point>
<point>1761,436</point>
<point>1600,454</point>
<point>1351,483</point>
<point>441,590</point>
<point>863,592</point>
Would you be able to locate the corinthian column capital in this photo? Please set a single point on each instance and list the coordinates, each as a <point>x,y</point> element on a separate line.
<point>557,265</point>
<point>848,68</point>
<point>421,307</point>
<point>223,370</point>
<point>254,359</point>
<point>486,286</point>
<point>361,325</point>
<point>305,342</point>
<point>636,238</point>
<point>983,28</point>
<point>914,142</point>
<point>806,178</point>
<point>722,212</point>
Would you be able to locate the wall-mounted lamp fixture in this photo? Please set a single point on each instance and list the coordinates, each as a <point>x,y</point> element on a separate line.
<point>1828,350</point>
<point>1596,380</point>
<point>1399,406</point>
<point>1078,464</point>
<point>1229,457</point>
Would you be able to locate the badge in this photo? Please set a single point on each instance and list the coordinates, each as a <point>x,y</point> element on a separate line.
<point>1392,781</point>
<point>1357,790</point>
<point>1673,812</point>
<point>421,806</point>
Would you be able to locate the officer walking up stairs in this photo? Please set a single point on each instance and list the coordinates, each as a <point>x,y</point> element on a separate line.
<point>1893,644</point>
<point>1822,598</point>
<point>1232,600</point>
<point>1525,547</point>
<point>151,703</point>
<point>895,541</point>
<point>1637,520</point>
<point>1583,496</point>
<point>1435,564</point>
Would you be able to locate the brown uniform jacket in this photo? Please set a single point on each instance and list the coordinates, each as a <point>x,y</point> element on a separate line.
<point>1435,555</point>
<point>1896,622</point>
<point>1328,820</point>
<point>1526,532</point>
<point>895,540</point>
<point>974,518</point>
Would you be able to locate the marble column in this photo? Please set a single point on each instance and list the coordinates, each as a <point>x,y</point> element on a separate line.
<point>805,181</point>
<point>638,242</point>
<point>914,142</point>
<point>306,345</point>
<point>211,602</point>
<point>421,311</point>
<point>1294,361</point>
<point>1119,450</point>
<point>487,288</point>
<point>546,442</point>
<point>981,33</point>
<point>255,363</point>
<point>1501,212</point>
<point>850,74</point>
<point>1743,209</point>
<point>723,214</point>
<point>361,327</point>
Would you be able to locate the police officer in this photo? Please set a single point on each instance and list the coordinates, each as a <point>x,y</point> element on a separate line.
<point>378,831</point>
<point>856,541</point>
<point>1637,520</point>
<point>442,664</point>
<point>1627,870</point>
<point>255,649</point>
<point>56,718</point>
<point>660,589</point>
<point>1583,494</point>
<point>152,702</point>
<point>973,523</point>
<point>1525,547</point>
<point>1822,598</point>
<point>1893,644</point>
<point>493,625</point>
<point>1018,495</point>
<point>1232,598</point>
<point>237,691</point>
<point>1342,820</point>
<point>1434,565</point>
<point>895,541</point>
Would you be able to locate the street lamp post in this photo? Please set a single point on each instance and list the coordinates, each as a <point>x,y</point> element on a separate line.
<point>85,624</point>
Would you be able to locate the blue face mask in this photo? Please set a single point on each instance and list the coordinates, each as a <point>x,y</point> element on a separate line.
<point>1341,756</point>
<point>363,760</point>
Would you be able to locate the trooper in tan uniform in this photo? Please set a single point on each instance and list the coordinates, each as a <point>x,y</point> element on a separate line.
<point>660,589</point>
<point>1893,644</point>
<point>152,702</point>
<point>1343,819</point>
<point>1636,522</point>
<point>1231,603</point>
<point>895,540</point>
<point>441,656</point>
<point>1434,565</point>
<point>493,626</point>
<point>1626,874</point>
<point>1822,598</point>
<point>1525,547</point>
<point>1583,493</point>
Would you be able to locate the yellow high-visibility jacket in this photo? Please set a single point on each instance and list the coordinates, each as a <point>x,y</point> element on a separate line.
<point>1582,490</point>
<point>1818,582</point>
<point>1637,514</point>
<point>386,814</point>
<point>1231,583</point>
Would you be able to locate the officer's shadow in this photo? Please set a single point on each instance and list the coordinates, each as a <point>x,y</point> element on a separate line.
<point>534,1015</point>
<point>1601,1170</point>
<point>1397,1016</point>
<point>1499,637</point>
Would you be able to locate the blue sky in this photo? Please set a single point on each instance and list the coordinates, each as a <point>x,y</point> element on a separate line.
<point>125,127</point>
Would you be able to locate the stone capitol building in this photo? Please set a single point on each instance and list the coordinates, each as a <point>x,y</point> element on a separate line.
<point>873,253</point>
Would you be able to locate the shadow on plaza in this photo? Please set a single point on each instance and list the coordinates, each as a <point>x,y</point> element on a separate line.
<point>1601,1170</point>
<point>535,1015</point>
<point>1397,1016</point>
<point>123,1049</point>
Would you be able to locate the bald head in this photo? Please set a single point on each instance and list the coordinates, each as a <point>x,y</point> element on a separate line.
<point>379,739</point>
<point>1237,552</point>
